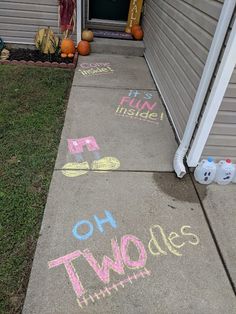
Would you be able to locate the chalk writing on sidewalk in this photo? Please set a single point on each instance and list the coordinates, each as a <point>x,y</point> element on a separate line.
<point>139,105</point>
<point>80,166</point>
<point>161,243</point>
<point>99,223</point>
<point>90,69</point>
<point>107,291</point>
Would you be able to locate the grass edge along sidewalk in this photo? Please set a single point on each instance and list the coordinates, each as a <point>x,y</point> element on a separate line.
<point>32,109</point>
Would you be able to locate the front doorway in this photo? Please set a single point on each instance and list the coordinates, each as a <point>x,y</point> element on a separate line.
<point>107,14</point>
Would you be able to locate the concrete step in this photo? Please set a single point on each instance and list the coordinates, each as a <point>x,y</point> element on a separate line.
<point>118,46</point>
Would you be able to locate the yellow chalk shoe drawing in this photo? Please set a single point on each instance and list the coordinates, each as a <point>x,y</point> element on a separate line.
<point>75,169</point>
<point>106,163</point>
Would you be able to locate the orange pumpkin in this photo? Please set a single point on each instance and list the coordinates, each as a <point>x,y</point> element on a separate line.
<point>63,55</point>
<point>83,48</point>
<point>67,46</point>
<point>138,34</point>
<point>70,55</point>
<point>87,35</point>
<point>134,28</point>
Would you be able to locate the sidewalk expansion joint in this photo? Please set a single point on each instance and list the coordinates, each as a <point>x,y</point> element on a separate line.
<point>214,238</point>
<point>117,88</point>
<point>125,170</point>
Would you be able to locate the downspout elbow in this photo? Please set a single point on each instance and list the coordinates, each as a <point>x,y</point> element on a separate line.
<point>208,71</point>
<point>178,162</point>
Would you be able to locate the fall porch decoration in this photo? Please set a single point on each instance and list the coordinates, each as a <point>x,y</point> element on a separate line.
<point>83,48</point>
<point>67,46</point>
<point>67,15</point>
<point>4,54</point>
<point>46,41</point>
<point>138,34</point>
<point>87,35</point>
<point>135,10</point>
<point>134,28</point>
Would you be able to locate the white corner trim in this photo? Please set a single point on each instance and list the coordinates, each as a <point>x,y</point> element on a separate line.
<point>208,71</point>
<point>78,19</point>
<point>214,100</point>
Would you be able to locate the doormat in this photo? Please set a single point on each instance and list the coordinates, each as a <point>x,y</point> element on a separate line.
<point>111,34</point>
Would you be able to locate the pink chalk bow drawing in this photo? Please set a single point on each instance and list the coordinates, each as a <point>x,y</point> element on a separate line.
<point>80,166</point>
<point>76,147</point>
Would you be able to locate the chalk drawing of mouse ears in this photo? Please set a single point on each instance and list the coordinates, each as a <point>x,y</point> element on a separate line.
<point>80,166</point>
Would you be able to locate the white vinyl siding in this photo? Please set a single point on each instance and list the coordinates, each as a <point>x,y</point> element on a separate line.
<point>20,19</point>
<point>221,142</point>
<point>178,36</point>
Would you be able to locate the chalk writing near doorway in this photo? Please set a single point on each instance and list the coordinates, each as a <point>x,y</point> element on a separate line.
<point>123,263</point>
<point>139,105</point>
<point>79,166</point>
<point>95,68</point>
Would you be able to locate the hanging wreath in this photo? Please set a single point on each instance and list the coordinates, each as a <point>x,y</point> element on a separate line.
<point>67,15</point>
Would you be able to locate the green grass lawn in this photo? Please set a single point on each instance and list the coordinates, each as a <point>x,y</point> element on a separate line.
<point>32,108</point>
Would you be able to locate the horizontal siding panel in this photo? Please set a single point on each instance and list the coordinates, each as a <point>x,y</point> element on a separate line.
<point>175,87</point>
<point>209,7</point>
<point>164,88</point>
<point>25,28</point>
<point>220,152</point>
<point>167,36</point>
<point>181,33</point>
<point>228,104</point>
<point>172,59</point>
<point>231,91</point>
<point>28,7</point>
<point>194,30</point>
<point>27,35</point>
<point>29,15</point>
<point>28,21</point>
<point>21,19</point>
<point>233,77</point>
<point>191,13</point>
<point>221,140</point>
<point>178,35</point>
<point>46,2</point>
<point>19,40</point>
<point>223,129</point>
<point>226,117</point>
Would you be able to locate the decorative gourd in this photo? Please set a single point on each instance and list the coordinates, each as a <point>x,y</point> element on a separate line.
<point>46,41</point>
<point>83,48</point>
<point>134,28</point>
<point>138,34</point>
<point>67,46</point>
<point>4,54</point>
<point>87,35</point>
<point>64,55</point>
<point>70,55</point>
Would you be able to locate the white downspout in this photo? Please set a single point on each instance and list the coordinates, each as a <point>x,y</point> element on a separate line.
<point>78,20</point>
<point>213,55</point>
<point>216,96</point>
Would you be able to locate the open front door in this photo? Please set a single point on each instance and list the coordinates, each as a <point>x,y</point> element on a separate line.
<point>107,14</point>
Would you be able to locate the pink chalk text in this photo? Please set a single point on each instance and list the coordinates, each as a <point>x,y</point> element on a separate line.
<point>121,258</point>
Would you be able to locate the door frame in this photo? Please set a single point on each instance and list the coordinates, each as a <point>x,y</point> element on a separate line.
<point>112,25</point>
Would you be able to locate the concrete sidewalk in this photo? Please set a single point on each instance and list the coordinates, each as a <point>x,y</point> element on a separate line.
<point>120,233</point>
